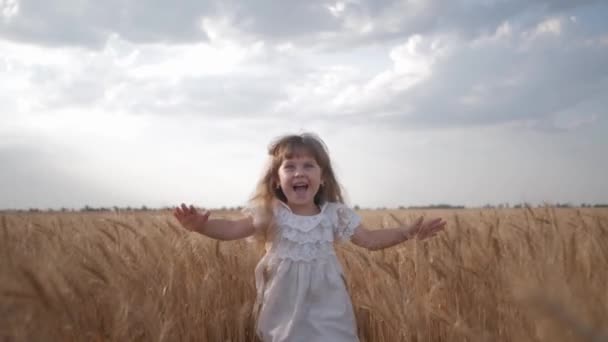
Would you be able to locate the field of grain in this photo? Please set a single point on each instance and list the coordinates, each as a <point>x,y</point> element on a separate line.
<point>494,275</point>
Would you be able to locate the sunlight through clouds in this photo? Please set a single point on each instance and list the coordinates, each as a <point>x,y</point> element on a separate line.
<point>407,86</point>
<point>413,60</point>
<point>195,60</point>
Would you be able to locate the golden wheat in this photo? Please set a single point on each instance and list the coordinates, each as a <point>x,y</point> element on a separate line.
<point>493,275</point>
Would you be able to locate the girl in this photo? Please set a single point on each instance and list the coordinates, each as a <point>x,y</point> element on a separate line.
<point>297,210</point>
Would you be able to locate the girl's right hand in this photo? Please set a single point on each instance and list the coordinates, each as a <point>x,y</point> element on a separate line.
<point>423,230</point>
<point>190,218</point>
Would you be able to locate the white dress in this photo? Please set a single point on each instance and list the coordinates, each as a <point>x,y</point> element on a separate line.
<point>302,295</point>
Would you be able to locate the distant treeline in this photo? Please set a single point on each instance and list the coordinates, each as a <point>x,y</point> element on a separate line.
<point>555,205</point>
<point>402,207</point>
<point>88,208</point>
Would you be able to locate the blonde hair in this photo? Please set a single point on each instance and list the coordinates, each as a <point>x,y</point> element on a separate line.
<point>267,192</point>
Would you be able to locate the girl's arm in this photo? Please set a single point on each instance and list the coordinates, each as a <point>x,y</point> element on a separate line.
<point>223,229</point>
<point>384,238</point>
<point>220,229</point>
<point>378,239</point>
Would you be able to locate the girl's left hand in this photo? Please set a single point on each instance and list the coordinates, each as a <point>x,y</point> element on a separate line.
<point>423,230</point>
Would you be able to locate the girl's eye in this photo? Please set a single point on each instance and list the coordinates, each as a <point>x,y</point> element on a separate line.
<point>288,167</point>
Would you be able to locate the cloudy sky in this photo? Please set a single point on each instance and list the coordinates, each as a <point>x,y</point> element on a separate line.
<point>423,101</point>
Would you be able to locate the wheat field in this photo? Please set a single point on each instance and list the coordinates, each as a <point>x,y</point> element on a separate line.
<point>493,275</point>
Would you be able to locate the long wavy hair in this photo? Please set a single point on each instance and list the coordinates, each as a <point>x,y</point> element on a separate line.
<point>267,191</point>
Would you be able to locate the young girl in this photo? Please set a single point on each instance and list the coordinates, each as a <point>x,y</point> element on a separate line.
<point>297,210</point>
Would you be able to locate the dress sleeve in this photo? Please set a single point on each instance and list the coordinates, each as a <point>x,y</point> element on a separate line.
<point>255,213</point>
<point>260,219</point>
<point>347,220</point>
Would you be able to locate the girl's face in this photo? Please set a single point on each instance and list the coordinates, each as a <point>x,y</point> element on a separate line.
<point>300,179</point>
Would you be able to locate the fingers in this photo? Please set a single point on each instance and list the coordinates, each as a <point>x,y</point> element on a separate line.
<point>193,210</point>
<point>435,229</point>
<point>183,211</point>
<point>434,223</point>
<point>177,211</point>
<point>178,214</point>
<point>188,210</point>
<point>432,228</point>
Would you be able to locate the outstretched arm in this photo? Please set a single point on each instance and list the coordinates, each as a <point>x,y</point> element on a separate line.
<point>384,238</point>
<point>220,229</point>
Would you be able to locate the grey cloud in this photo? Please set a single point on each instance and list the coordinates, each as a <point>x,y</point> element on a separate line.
<point>283,19</point>
<point>556,75</point>
<point>505,84</point>
<point>311,24</point>
<point>550,78</point>
<point>89,23</point>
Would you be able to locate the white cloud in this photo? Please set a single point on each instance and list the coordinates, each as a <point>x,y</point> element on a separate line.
<point>405,85</point>
<point>320,92</point>
<point>9,9</point>
<point>414,59</point>
<point>196,60</point>
<point>550,26</point>
<point>336,9</point>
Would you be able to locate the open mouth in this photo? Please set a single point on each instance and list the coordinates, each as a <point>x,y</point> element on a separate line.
<point>300,188</point>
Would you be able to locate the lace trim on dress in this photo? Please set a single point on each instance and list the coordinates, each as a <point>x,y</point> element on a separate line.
<point>304,238</point>
<point>285,216</point>
<point>323,232</point>
<point>320,250</point>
